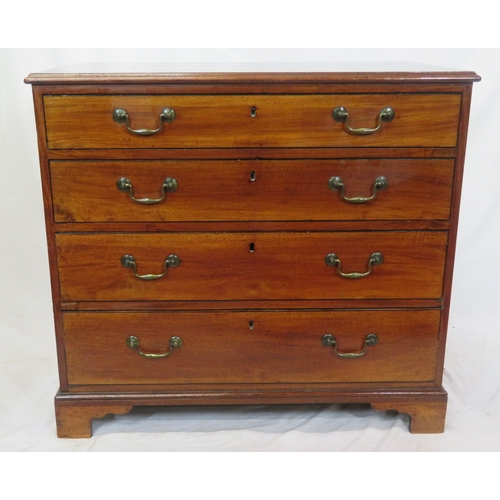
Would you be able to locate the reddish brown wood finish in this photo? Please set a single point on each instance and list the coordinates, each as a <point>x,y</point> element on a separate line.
<point>51,238</point>
<point>257,190</point>
<point>223,266</point>
<point>426,417</point>
<point>250,226</point>
<point>256,347</point>
<point>455,209</point>
<point>247,153</point>
<point>426,407</point>
<point>213,121</point>
<point>227,305</point>
<point>329,74</point>
<point>292,133</point>
<point>249,88</point>
<point>243,389</point>
<point>75,421</point>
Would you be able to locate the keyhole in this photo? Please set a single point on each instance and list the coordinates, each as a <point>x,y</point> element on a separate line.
<point>252,247</point>
<point>250,325</point>
<point>253,111</point>
<point>253,176</point>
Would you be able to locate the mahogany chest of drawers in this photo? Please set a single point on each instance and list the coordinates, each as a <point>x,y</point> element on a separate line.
<point>241,238</point>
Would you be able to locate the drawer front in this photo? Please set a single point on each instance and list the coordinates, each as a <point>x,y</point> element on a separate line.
<point>220,347</point>
<point>250,266</point>
<point>226,121</point>
<point>266,190</point>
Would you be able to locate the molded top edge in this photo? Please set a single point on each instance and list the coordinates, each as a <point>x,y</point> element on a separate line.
<point>252,73</point>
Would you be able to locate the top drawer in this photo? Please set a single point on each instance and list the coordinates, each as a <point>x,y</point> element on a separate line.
<point>237,121</point>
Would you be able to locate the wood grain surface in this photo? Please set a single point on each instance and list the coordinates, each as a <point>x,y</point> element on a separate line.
<point>219,347</point>
<point>222,266</point>
<point>251,190</point>
<point>252,221</point>
<point>224,121</point>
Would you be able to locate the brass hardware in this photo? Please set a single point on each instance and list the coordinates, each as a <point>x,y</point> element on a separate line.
<point>253,111</point>
<point>174,343</point>
<point>251,248</point>
<point>128,261</point>
<point>253,176</point>
<point>335,183</point>
<point>169,186</point>
<point>376,258</point>
<point>121,116</point>
<point>341,115</point>
<point>250,325</point>
<point>329,340</point>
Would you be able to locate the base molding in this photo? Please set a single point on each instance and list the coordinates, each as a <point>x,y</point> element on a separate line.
<point>75,411</point>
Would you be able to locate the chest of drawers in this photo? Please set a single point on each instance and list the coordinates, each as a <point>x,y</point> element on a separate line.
<point>251,238</point>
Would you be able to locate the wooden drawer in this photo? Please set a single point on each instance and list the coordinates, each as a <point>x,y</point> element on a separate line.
<point>251,190</point>
<point>225,121</point>
<point>280,347</point>
<point>251,266</point>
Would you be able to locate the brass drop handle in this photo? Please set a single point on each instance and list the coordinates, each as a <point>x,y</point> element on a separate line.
<point>121,116</point>
<point>329,340</point>
<point>341,115</point>
<point>376,258</point>
<point>169,185</point>
<point>335,184</point>
<point>174,343</point>
<point>172,260</point>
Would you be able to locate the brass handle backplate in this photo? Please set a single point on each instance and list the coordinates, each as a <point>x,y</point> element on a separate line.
<point>169,185</point>
<point>121,116</point>
<point>174,343</point>
<point>376,258</point>
<point>335,184</point>
<point>329,340</point>
<point>341,115</point>
<point>128,261</point>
